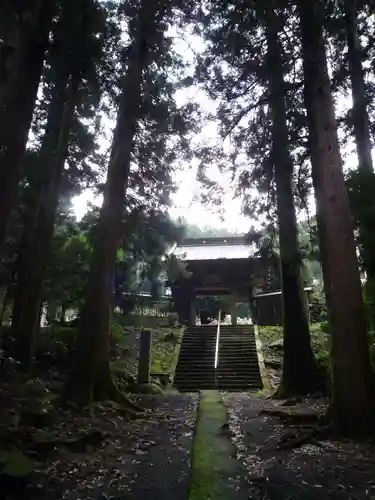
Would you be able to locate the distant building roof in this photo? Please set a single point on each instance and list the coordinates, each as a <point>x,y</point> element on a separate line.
<point>213,248</point>
<point>214,241</point>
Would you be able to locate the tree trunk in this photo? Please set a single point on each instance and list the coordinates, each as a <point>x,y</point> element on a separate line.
<point>63,315</point>
<point>352,403</point>
<point>22,264</point>
<point>52,159</point>
<point>18,100</point>
<point>92,364</point>
<point>51,313</point>
<point>360,115</point>
<point>300,371</point>
<point>362,135</point>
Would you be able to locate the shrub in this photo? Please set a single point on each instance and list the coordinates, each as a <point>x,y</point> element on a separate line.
<point>117,334</point>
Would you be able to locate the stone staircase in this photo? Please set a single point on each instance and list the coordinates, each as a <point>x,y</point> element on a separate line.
<point>238,367</point>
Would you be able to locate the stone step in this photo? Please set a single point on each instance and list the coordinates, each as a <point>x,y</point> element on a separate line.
<point>193,379</point>
<point>223,328</point>
<point>196,381</point>
<point>243,355</point>
<point>238,361</point>
<point>197,358</point>
<point>220,387</point>
<point>220,375</point>
<point>202,341</point>
<point>195,349</point>
<point>242,380</point>
<point>240,340</point>
<point>187,369</point>
<point>199,345</point>
<point>236,366</point>
<point>236,345</point>
<point>237,350</point>
<point>198,349</point>
<point>234,340</point>
<point>196,366</point>
<point>199,335</point>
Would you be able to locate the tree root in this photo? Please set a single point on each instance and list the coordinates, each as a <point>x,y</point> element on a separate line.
<point>292,440</point>
<point>105,389</point>
<point>296,417</point>
<point>316,383</point>
<point>109,390</point>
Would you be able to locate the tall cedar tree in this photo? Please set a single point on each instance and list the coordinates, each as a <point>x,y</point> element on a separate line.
<point>352,382</point>
<point>362,182</point>
<point>18,95</point>
<point>91,375</point>
<point>300,371</point>
<point>361,124</point>
<point>254,112</point>
<point>71,55</point>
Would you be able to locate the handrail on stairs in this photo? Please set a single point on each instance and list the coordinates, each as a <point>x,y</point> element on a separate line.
<point>217,340</point>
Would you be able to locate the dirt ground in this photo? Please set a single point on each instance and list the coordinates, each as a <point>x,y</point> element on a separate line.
<point>116,458</point>
<point>103,455</point>
<point>278,470</point>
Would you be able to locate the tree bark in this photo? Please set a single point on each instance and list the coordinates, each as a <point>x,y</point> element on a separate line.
<point>300,370</point>
<point>362,135</point>
<point>53,153</point>
<point>352,381</point>
<point>18,100</point>
<point>92,364</point>
<point>63,315</point>
<point>360,115</point>
<point>21,263</point>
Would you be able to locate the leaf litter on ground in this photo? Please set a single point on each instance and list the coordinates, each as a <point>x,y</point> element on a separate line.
<point>317,469</point>
<point>126,450</point>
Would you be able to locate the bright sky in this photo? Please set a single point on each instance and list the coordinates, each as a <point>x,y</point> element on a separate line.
<point>186,201</point>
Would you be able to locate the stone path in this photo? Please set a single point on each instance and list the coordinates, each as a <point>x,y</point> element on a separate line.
<point>216,472</point>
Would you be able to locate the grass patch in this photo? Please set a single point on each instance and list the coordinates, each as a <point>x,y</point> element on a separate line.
<point>319,340</point>
<point>213,454</point>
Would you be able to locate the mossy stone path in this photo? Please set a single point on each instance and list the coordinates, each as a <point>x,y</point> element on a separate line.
<point>216,474</point>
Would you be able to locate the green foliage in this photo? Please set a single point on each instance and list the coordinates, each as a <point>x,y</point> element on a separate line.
<point>117,334</point>
<point>68,269</point>
<point>319,337</point>
<point>15,464</point>
<point>361,188</point>
<point>318,307</point>
<point>195,231</point>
